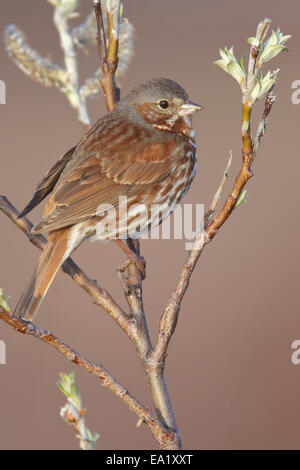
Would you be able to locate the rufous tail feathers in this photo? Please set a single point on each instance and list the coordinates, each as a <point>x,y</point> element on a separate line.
<point>54,254</point>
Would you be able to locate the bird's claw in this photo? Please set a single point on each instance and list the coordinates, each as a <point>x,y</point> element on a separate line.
<point>139,262</point>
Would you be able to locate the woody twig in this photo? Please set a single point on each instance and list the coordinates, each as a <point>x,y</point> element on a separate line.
<point>132,282</point>
<point>253,86</point>
<point>161,434</point>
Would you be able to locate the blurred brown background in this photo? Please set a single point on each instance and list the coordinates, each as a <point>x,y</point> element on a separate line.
<point>228,370</point>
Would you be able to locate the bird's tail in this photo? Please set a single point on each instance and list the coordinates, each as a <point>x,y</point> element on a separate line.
<point>52,257</point>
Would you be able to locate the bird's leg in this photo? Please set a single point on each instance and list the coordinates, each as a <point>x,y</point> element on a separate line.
<point>138,260</point>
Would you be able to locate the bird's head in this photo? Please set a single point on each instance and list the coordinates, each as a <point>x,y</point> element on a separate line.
<point>163,104</point>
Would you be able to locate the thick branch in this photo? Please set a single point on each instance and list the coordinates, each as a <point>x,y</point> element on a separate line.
<point>132,283</point>
<point>153,369</point>
<point>166,438</point>
<point>101,296</point>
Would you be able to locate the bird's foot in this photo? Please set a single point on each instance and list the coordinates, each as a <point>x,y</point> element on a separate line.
<point>138,261</point>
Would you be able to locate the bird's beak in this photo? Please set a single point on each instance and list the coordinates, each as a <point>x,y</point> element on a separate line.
<point>189,108</point>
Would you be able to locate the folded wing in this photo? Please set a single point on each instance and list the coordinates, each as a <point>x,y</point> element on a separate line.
<point>101,172</point>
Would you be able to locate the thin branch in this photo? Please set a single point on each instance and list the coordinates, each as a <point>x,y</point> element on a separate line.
<point>113,10</point>
<point>255,49</point>
<point>101,37</point>
<point>169,316</point>
<point>61,19</point>
<point>218,194</point>
<point>100,295</point>
<point>262,126</point>
<point>108,52</point>
<point>91,86</point>
<point>165,437</point>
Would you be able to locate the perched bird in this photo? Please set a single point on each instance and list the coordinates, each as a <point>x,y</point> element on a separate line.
<point>142,153</point>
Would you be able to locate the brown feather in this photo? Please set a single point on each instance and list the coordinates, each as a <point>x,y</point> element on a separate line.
<point>95,176</point>
<point>48,182</point>
<point>50,261</point>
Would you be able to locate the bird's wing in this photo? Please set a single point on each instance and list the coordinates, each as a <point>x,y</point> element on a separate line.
<point>48,182</point>
<point>106,166</point>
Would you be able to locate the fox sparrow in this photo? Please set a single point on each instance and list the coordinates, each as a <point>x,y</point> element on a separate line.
<point>140,157</point>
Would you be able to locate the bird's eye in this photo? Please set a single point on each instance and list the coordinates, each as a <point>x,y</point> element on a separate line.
<point>164,104</point>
